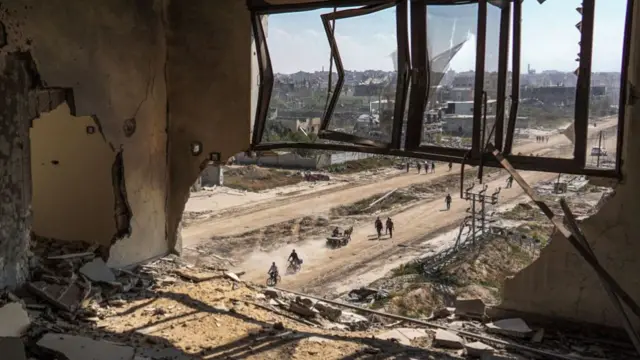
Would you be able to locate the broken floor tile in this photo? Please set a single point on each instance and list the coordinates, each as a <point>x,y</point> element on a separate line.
<point>403,335</point>
<point>510,327</point>
<point>448,339</point>
<point>82,348</point>
<point>97,271</point>
<point>12,348</point>
<point>14,320</point>
<point>477,349</point>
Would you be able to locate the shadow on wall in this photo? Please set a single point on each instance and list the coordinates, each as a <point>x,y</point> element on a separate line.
<point>71,165</point>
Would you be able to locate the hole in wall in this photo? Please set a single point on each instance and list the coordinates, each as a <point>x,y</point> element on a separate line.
<point>129,127</point>
<point>55,162</point>
<point>91,130</point>
<point>196,148</point>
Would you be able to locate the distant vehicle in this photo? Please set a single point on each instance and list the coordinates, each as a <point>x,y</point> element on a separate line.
<point>596,151</point>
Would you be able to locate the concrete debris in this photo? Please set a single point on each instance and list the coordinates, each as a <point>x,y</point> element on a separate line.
<point>402,335</point>
<point>85,254</point>
<point>197,276</point>
<point>478,349</point>
<point>12,348</point>
<point>354,321</point>
<point>14,320</point>
<point>65,298</point>
<point>515,327</point>
<point>367,294</point>
<point>470,308</point>
<point>82,348</point>
<point>448,339</point>
<point>329,312</point>
<point>273,294</point>
<point>443,312</point>
<point>232,276</point>
<point>98,271</point>
<point>302,310</point>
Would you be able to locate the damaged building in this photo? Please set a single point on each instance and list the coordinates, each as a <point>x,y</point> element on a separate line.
<point>111,109</point>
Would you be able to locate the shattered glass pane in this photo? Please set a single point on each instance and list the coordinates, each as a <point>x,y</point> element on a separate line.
<point>451,46</point>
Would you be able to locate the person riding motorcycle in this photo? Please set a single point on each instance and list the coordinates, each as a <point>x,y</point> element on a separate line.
<point>293,258</point>
<point>273,270</point>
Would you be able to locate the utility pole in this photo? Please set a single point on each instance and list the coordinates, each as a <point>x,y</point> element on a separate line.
<point>478,198</point>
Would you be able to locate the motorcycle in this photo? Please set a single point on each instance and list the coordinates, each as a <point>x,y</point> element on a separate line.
<point>273,280</point>
<point>294,267</point>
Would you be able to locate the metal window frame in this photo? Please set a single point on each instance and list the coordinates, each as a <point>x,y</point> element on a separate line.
<point>419,80</point>
<point>403,69</point>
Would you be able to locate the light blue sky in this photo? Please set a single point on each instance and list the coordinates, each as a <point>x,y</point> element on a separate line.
<point>297,41</point>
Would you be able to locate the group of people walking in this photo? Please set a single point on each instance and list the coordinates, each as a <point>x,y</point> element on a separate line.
<point>429,167</point>
<point>542,139</point>
<point>388,227</point>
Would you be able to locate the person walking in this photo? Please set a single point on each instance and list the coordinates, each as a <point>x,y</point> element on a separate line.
<point>390,227</point>
<point>419,167</point>
<point>433,167</point>
<point>408,166</point>
<point>426,167</point>
<point>378,225</point>
<point>509,182</point>
<point>450,165</point>
<point>447,201</point>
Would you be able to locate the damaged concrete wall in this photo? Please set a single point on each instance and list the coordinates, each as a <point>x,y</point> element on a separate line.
<point>560,283</point>
<point>15,188</point>
<point>112,54</point>
<point>210,78</point>
<point>71,177</point>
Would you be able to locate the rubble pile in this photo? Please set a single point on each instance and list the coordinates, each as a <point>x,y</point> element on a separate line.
<point>76,308</point>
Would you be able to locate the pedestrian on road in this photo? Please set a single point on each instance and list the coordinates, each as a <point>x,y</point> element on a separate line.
<point>509,181</point>
<point>390,227</point>
<point>419,167</point>
<point>447,201</point>
<point>450,165</point>
<point>433,167</point>
<point>426,167</point>
<point>378,225</point>
<point>408,166</point>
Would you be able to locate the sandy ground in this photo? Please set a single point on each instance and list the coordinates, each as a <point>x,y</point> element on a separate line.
<point>423,227</point>
<point>320,200</point>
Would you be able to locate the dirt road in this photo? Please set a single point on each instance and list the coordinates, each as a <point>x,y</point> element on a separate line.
<point>366,259</point>
<point>319,203</point>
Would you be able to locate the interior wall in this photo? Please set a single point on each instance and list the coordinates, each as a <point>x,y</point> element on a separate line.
<point>210,80</point>
<point>560,283</point>
<point>111,53</point>
<point>66,156</point>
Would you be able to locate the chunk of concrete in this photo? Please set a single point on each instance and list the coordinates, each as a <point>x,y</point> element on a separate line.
<point>273,294</point>
<point>82,348</point>
<point>12,348</point>
<point>232,276</point>
<point>97,271</point>
<point>538,336</point>
<point>403,335</point>
<point>478,349</point>
<point>329,312</point>
<point>448,339</point>
<point>515,327</point>
<point>473,308</point>
<point>302,310</point>
<point>14,320</point>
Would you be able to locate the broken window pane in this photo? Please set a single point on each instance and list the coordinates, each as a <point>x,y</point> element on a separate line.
<point>608,35</point>
<point>368,52</point>
<point>550,46</point>
<point>451,47</point>
<point>300,58</point>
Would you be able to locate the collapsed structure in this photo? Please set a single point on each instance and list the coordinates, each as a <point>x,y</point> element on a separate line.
<point>111,109</point>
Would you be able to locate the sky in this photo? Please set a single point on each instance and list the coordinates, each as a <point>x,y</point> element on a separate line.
<point>297,41</point>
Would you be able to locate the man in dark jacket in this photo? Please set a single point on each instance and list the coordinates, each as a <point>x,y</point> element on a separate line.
<point>390,227</point>
<point>378,225</point>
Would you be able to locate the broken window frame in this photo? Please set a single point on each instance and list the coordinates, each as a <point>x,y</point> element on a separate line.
<point>403,73</point>
<point>421,82</point>
<point>478,155</point>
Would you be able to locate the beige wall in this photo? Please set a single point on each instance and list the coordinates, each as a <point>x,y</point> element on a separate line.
<point>560,283</point>
<point>71,177</point>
